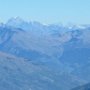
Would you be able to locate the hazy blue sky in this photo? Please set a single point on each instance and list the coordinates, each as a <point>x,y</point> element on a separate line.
<point>47,11</point>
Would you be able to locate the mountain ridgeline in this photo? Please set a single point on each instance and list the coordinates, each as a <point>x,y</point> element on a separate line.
<point>34,56</point>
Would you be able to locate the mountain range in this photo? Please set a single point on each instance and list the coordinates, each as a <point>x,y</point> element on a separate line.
<point>34,56</point>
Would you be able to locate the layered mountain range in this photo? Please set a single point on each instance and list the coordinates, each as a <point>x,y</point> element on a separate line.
<point>34,56</point>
